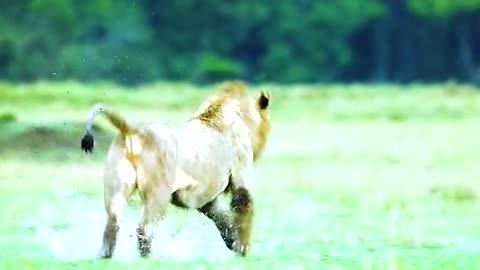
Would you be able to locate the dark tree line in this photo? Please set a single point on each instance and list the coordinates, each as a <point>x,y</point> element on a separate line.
<point>285,41</point>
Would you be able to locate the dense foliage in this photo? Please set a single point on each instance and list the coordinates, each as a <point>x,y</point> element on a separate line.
<point>286,41</point>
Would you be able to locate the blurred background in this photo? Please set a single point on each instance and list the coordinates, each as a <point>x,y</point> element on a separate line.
<point>289,41</point>
<point>372,161</point>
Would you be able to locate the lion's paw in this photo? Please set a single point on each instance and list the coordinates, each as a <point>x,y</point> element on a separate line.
<point>144,244</point>
<point>241,248</point>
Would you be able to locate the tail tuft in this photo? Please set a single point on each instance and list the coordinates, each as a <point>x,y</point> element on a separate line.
<point>87,143</point>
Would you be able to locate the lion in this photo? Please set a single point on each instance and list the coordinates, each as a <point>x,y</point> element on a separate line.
<point>190,166</point>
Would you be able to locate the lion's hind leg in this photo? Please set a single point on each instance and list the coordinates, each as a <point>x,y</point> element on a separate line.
<point>114,211</point>
<point>155,185</point>
<point>119,185</point>
<point>155,202</point>
<point>156,198</point>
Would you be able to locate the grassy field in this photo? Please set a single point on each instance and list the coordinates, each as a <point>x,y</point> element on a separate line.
<point>354,177</point>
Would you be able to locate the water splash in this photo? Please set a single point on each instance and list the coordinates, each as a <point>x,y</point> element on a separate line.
<point>197,239</point>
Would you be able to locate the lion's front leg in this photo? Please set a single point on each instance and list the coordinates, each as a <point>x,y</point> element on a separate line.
<point>242,207</point>
<point>222,220</point>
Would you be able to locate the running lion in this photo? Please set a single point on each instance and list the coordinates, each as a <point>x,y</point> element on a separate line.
<point>190,166</point>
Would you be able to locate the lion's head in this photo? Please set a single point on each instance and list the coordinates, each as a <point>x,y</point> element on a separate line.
<point>233,104</point>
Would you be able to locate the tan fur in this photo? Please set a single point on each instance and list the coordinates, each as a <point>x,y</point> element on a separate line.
<point>211,113</point>
<point>195,163</point>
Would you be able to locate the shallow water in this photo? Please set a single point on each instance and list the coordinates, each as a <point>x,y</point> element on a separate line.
<point>182,237</point>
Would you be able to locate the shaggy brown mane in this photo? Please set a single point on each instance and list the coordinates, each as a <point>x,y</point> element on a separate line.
<point>212,114</point>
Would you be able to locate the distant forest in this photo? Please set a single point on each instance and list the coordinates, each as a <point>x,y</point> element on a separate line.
<point>285,41</point>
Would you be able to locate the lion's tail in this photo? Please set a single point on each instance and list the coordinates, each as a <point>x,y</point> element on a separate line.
<point>119,122</point>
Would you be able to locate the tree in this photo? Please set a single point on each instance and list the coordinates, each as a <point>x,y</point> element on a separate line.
<point>461,14</point>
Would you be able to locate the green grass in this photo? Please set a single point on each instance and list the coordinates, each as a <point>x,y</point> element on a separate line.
<point>354,177</point>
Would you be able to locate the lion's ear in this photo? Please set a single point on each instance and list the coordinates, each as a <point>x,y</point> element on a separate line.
<point>263,99</point>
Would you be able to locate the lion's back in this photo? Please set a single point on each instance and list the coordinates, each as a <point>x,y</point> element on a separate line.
<point>203,151</point>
